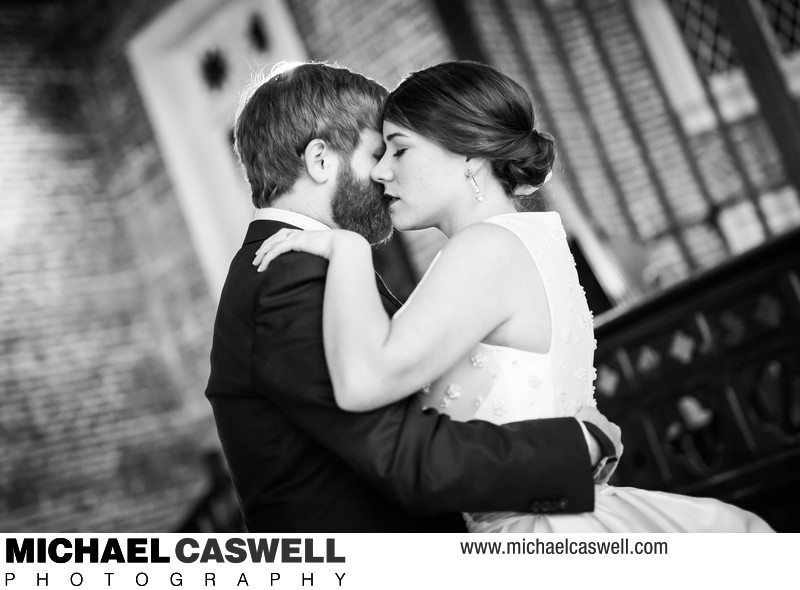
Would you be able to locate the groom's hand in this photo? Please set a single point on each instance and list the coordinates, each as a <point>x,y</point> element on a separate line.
<point>604,457</point>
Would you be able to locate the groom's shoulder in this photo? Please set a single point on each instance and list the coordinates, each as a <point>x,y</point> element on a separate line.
<point>288,270</point>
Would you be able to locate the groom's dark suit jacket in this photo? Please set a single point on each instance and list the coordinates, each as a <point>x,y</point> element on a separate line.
<point>300,464</point>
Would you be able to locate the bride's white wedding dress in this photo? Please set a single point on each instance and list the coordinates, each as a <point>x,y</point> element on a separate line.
<point>501,385</point>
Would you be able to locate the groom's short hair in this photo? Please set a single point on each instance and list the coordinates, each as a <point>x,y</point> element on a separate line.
<point>295,104</point>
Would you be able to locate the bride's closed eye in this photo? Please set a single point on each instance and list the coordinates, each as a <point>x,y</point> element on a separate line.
<point>399,152</point>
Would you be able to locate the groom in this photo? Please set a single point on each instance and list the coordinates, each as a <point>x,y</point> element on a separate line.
<point>307,139</point>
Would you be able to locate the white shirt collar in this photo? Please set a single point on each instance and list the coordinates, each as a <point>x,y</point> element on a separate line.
<point>290,217</point>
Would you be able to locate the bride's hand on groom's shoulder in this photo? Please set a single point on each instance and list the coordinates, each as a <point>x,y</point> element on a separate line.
<point>318,242</point>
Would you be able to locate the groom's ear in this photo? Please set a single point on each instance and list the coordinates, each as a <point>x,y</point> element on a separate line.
<point>320,160</point>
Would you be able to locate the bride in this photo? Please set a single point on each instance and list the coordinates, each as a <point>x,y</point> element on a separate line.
<point>499,328</point>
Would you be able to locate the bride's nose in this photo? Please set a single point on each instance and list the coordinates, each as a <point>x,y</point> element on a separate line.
<point>381,172</point>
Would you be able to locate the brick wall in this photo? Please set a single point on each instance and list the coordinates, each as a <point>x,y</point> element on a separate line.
<point>104,317</point>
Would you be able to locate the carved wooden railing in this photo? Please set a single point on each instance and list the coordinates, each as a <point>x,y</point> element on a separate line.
<point>704,380</point>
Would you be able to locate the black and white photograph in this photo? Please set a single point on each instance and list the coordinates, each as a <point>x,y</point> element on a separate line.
<point>275,268</point>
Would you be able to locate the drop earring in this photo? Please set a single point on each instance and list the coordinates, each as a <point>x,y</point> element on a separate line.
<point>475,188</point>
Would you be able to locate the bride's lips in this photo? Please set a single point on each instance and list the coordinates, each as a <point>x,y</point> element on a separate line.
<point>391,199</point>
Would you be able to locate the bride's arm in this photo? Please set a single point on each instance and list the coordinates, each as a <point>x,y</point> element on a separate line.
<point>374,360</point>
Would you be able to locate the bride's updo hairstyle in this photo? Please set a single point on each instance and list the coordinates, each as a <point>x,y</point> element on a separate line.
<point>472,109</point>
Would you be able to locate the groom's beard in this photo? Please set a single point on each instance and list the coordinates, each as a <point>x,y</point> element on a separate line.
<point>358,205</point>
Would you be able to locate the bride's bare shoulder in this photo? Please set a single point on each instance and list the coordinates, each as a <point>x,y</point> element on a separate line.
<point>480,253</point>
<point>484,239</point>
